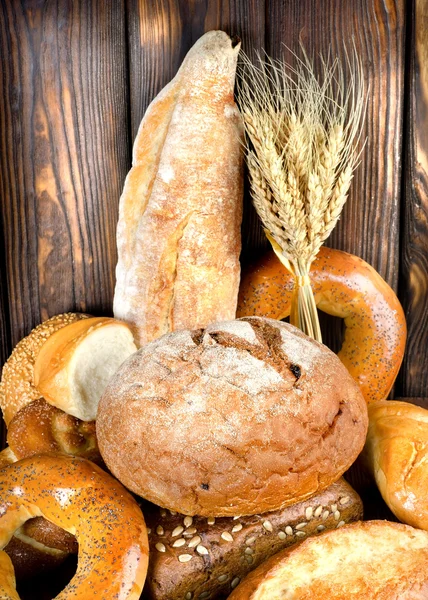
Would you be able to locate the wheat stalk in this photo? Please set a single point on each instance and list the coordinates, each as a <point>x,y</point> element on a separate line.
<point>302,134</point>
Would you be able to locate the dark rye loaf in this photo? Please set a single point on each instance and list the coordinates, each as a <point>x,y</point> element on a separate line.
<point>199,558</point>
<point>244,417</point>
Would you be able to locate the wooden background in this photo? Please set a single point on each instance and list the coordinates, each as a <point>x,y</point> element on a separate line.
<point>76,77</point>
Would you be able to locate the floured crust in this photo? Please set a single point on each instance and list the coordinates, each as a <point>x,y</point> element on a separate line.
<point>180,213</point>
<point>374,560</point>
<point>396,453</point>
<point>17,384</point>
<point>207,557</point>
<point>241,418</point>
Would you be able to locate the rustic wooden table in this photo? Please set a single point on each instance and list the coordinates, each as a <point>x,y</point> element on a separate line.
<point>75,79</point>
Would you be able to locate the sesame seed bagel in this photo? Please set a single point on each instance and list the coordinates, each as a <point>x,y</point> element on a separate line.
<point>78,496</point>
<point>374,560</point>
<point>17,386</point>
<point>243,417</point>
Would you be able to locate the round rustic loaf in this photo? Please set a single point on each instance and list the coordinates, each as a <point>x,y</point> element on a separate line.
<point>243,417</point>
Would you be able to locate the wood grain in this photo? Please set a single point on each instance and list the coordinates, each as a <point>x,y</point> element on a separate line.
<point>414,275</point>
<point>64,153</point>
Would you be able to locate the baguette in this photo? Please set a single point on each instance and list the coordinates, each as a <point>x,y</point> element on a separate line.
<point>206,558</point>
<point>180,213</point>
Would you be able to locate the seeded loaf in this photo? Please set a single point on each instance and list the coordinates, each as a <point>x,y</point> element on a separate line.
<point>241,418</point>
<point>197,558</point>
<point>371,560</point>
<point>178,235</point>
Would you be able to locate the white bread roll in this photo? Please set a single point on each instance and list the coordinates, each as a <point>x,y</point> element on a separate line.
<point>396,453</point>
<point>180,213</point>
<point>372,560</point>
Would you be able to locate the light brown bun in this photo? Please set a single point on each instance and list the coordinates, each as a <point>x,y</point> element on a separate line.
<point>178,263</point>
<point>344,286</point>
<point>396,453</point>
<point>218,553</point>
<point>79,497</point>
<point>17,383</point>
<point>240,418</point>
<point>40,427</point>
<point>371,560</point>
<point>75,364</point>
<point>7,578</point>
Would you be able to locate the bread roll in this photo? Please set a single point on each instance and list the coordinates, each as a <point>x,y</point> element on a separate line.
<point>396,453</point>
<point>372,560</point>
<point>17,383</point>
<point>206,558</point>
<point>75,364</point>
<point>180,213</point>
<point>241,418</point>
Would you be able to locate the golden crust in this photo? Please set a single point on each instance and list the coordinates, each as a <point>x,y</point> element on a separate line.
<point>243,417</point>
<point>396,453</point>
<point>374,560</point>
<point>17,384</point>
<point>344,286</point>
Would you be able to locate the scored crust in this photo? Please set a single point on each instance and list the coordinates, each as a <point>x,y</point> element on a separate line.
<point>376,560</point>
<point>17,386</point>
<point>240,418</point>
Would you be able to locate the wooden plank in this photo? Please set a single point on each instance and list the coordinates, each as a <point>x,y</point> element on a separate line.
<point>160,35</point>
<point>414,282</point>
<point>64,153</point>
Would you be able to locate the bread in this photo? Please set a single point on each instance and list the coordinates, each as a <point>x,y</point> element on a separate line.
<point>396,453</point>
<point>180,213</point>
<point>17,385</point>
<point>39,427</point>
<point>344,286</point>
<point>222,551</point>
<point>372,560</point>
<point>75,364</point>
<point>241,418</point>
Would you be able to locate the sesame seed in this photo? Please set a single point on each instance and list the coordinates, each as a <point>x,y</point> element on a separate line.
<point>235,582</point>
<point>211,520</point>
<point>236,528</point>
<point>320,528</point>
<point>227,536</point>
<point>249,550</point>
<point>189,596</point>
<point>344,500</point>
<point>251,540</point>
<point>162,512</point>
<point>222,578</point>
<point>333,508</point>
<point>187,521</point>
<point>183,558</point>
<point>190,531</point>
<point>159,530</point>
<point>309,512</point>
<point>300,533</point>
<point>318,511</point>
<point>178,543</point>
<point>340,524</point>
<point>325,515</point>
<point>160,547</point>
<point>204,595</point>
<point>173,513</point>
<point>177,531</point>
<point>268,526</point>
<point>288,530</point>
<point>201,550</point>
<point>336,515</point>
<point>249,559</point>
<point>194,541</point>
<point>237,517</point>
<point>301,526</point>
<point>282,535</point>
<point>149,531</point>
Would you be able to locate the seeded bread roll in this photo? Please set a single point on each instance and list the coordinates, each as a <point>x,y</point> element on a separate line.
<point>197,558</point>
<point>241,418</point>
<point>17,387</point>
<point>371,560</point>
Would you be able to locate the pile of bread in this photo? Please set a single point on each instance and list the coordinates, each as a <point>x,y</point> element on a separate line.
<point>187,454</point>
